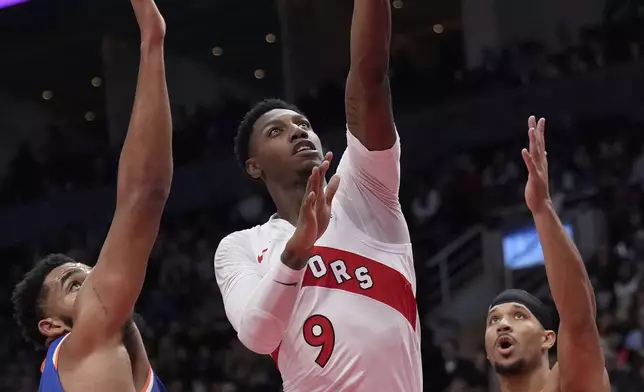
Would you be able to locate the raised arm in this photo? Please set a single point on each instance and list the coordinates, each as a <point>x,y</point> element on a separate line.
<point>106,299</point>
<point>368,96</point>
<point>370,166</point>
<point>579,352</point>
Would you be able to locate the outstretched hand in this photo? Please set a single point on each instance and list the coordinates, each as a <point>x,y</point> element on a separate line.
<point>537,195</point>
<point>150,20</point>
<point>315,211</point>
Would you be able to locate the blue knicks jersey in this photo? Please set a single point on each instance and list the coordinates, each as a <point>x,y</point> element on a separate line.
<point>49,381</point>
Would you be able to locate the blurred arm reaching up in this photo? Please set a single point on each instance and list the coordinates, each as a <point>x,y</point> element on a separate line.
<point>106,299</point>
<point>580,358</point>
<point>368,96</point>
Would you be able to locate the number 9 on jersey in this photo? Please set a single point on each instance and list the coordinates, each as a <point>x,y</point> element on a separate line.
<point>318,332</point>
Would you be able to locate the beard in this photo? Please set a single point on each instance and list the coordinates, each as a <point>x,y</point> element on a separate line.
<point>510,369</point>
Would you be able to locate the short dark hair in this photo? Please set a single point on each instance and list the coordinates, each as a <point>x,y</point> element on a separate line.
<point>29,295</point>
<point>245,129</point>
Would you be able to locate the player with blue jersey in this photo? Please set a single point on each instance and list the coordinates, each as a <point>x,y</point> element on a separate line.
<point>83,315</point>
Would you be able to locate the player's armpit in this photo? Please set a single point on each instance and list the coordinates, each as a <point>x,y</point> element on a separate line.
<point>580,360</point>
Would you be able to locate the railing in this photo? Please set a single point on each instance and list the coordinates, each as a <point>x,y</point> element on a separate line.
<point>454,267</point>
<point>533,280</point>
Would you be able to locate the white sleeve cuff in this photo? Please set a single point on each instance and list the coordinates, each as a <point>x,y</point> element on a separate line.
<point>359,150</point>
<point>283,274</point>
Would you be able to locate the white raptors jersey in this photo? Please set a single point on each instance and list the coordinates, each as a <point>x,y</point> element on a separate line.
<point>352,323</point>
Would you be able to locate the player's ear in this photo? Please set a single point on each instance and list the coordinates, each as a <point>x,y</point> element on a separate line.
<point>253,168</point>
<point>549,339</point>
<point>52,327</point>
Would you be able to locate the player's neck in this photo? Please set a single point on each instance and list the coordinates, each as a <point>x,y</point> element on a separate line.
<point>287,200</point>
<point>534,381</point>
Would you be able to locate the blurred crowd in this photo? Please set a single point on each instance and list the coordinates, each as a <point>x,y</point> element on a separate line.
<point>192,345</point>
<point>54,164</point>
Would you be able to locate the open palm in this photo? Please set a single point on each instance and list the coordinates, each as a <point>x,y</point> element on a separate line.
<point>315,211</point>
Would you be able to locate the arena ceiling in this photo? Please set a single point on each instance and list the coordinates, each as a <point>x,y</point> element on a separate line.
<point>55,44</point>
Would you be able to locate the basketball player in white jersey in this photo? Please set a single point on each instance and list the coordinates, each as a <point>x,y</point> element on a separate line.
<point>519,329</point>
<point>327,285</point>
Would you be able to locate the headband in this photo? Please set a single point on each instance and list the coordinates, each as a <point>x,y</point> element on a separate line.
<point>534,305</point>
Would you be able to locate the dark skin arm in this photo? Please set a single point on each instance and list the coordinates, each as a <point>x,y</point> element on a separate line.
<point>368,96</point>
<point>106,299</point>
<point>580,357</point>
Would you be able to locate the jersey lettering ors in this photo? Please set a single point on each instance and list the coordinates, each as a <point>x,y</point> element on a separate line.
<point>342,270</point>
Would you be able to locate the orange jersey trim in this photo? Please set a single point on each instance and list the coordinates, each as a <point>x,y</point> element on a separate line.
<point>57,351</point>
<point>147,387</point>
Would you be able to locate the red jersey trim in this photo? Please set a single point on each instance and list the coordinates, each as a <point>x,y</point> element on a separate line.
<point>342,270</point>
<point>360,275</point>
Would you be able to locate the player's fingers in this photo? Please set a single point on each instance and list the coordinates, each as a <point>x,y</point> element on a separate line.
<point>539,156</point>
<point>319,191</point>
<point>326,164</point>
<point>315,180</point>
<point>308,208</point>
<point>331,189</point>
<point>311,183</point>
<point>532,122</point>
<point>535,148</point>
<point>541,134</point>
<point>324,167</point>
<point>310,200</point>
<point>529,162</point>
<point>532,141</point>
